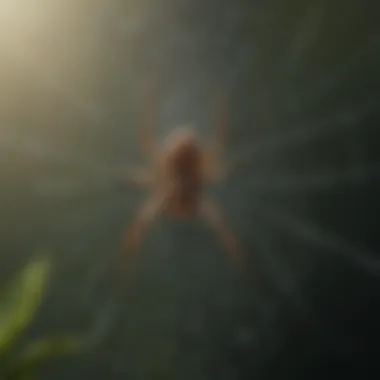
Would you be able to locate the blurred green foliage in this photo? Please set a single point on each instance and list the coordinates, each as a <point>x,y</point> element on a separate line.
<point>19,302</point>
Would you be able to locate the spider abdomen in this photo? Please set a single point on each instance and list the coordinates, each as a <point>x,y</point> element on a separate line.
<point>183,170</point>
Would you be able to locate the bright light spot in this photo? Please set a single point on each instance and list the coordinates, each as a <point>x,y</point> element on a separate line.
<point>21,20</point>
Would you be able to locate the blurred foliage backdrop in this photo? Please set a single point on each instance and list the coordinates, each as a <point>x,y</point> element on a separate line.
<point>304,85</point>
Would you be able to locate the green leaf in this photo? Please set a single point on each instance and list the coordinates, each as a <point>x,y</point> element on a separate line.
<point>38,353</point>
<point>20,300</point>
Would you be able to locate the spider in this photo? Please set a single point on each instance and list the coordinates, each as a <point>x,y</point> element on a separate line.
<point>180,169</point>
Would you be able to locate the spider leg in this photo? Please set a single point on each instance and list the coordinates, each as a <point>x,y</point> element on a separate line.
<point>217,171</point>
<point>210,211</point>
<point>139,176</point>
<point>147,121</point>
<point>134,233</point>
<point>220,111</point>
<point>214,168</point>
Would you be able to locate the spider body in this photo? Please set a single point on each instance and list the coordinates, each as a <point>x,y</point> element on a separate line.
<point>182,173</point>
<point>180,169</point>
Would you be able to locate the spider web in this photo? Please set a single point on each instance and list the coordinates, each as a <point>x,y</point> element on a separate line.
<point>262,190</point>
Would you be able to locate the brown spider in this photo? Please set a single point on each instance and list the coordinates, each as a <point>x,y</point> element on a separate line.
<point>181,167</point>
